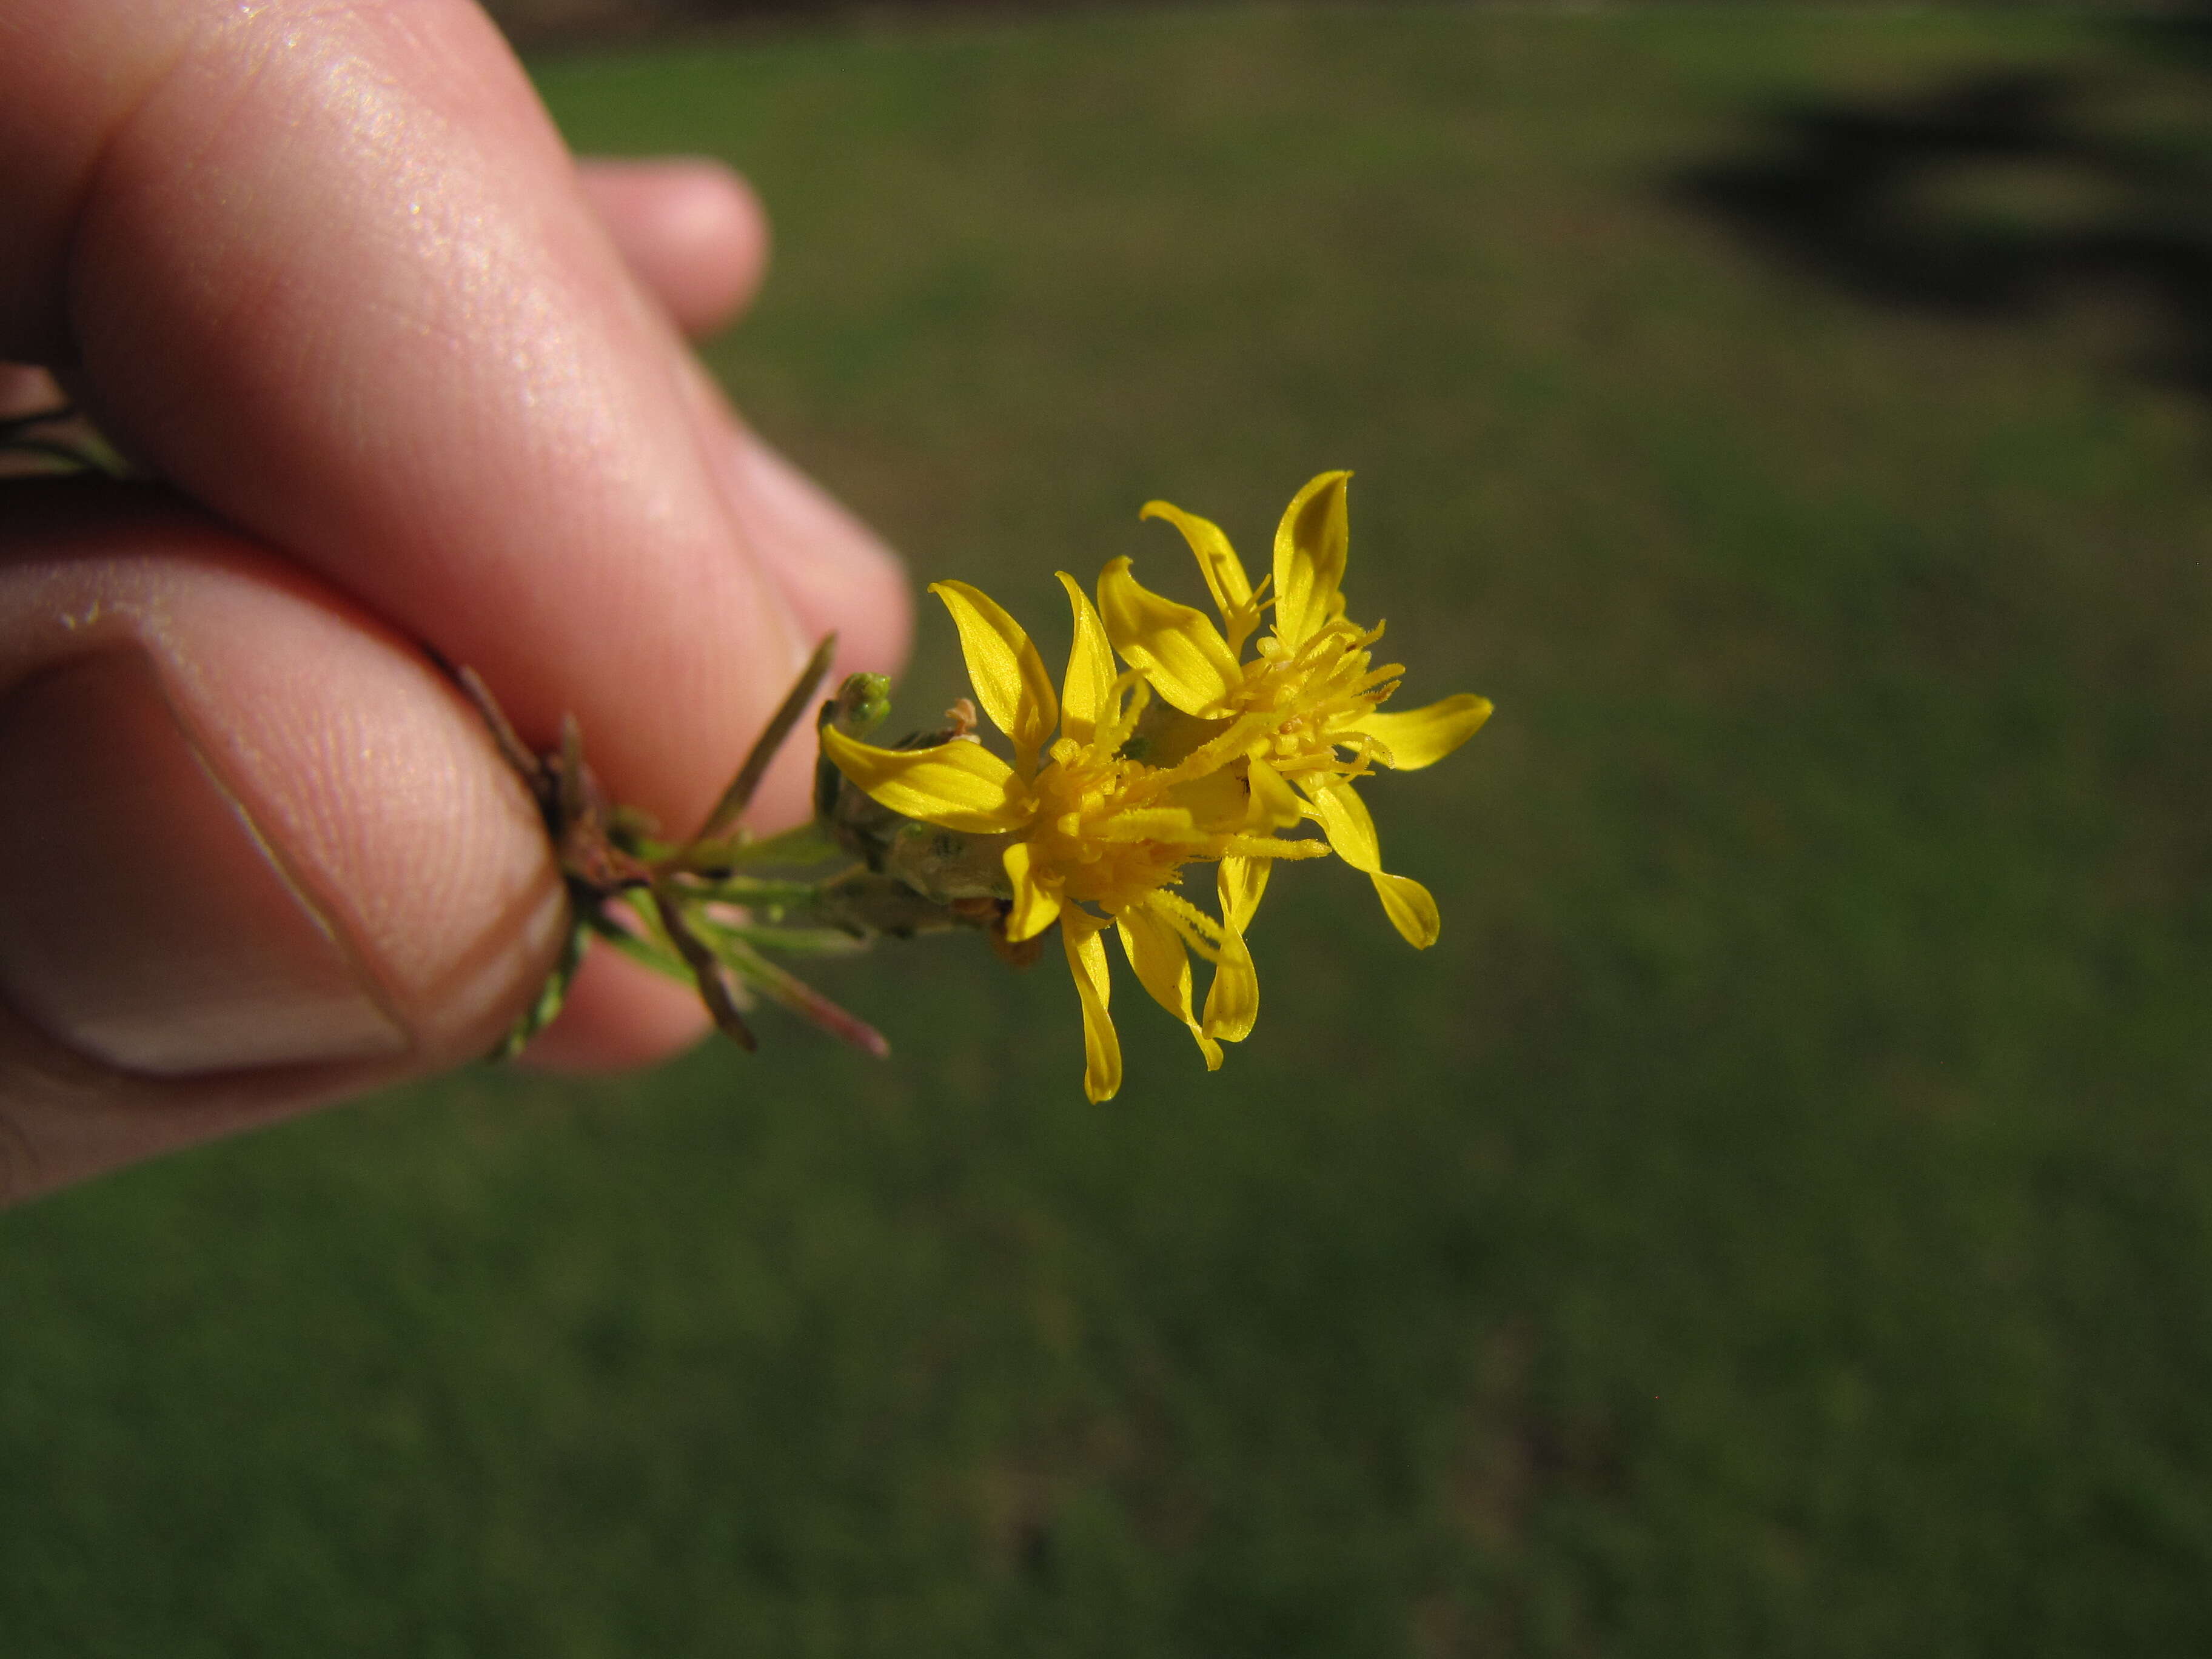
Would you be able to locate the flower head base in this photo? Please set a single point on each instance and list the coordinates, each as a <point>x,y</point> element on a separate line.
<point>1092,829</point>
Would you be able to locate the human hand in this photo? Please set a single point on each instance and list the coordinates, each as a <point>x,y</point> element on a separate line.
<point>408,378</point>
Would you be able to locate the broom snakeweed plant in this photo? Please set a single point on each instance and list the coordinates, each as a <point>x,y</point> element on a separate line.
<point>1164,744</point>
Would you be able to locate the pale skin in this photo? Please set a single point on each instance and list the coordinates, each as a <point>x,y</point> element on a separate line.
<point>412,382</point>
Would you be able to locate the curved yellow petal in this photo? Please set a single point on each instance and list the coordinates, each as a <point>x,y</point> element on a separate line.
<point>957,785</point>
<point>1009,679</point>
<point>1410,906</point>
<point>1156,950</point>
<point>1345,820</point>
<point>1232,1001</point>
<point>1241,881</point>
<point>1036,906</point>
<point>1274,803</point>
<point>1217,801</point>
<point>1224,572</point>
<point>1310,546</point>
<point>1177,649</point>
<point>1088,686</point>
<point>1422,737</point>
<point>1351,831</point>
<point>1086,963</point>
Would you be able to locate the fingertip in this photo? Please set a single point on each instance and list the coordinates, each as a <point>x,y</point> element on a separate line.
<point>691,230</point>
<point>837,575</point>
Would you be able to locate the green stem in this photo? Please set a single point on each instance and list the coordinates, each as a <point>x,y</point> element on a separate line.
<point>724,818</point>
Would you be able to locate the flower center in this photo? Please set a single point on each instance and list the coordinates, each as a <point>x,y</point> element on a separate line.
<point>1103,831</point>
<point>1315,693</point>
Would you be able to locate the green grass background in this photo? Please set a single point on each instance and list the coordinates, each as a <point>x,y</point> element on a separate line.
<point>1776,1217</point>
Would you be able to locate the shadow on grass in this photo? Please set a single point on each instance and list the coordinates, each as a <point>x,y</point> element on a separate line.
<point>1998,196</point>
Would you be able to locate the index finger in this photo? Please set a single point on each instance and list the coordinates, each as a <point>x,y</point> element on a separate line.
<point>329,269</point>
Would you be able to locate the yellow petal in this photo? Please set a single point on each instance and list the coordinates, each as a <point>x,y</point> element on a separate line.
<point>958,785</point>
<point>1310,546</point>
<point>1410,906</point>
<point>1422,737</point>
<point>1274,803</point>
<point>1351,831</point>
<point>1008,674</point>
<point>1036,906</point>
<point>1232,1001</point>
<point>1088,686</point>
<point>1177,649</point>
<point>1086,961</point>
<point>1219,801</point>
<point>1241,881</point>
<point>1224,572</point>
<point>1156,950</point>
<point>1344,819</point>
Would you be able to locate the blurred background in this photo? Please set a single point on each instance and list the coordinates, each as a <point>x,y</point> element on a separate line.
<point>1776,1217</point>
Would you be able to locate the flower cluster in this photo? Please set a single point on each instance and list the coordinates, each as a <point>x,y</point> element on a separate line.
<point>1175,747</point>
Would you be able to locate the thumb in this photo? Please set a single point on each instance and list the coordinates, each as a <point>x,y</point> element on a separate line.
<point>255,852</point>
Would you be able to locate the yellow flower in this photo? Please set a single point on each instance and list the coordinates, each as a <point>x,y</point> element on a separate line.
<point>1089,835</point>
<point>1303,711</point>
<point>1092,829</point>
